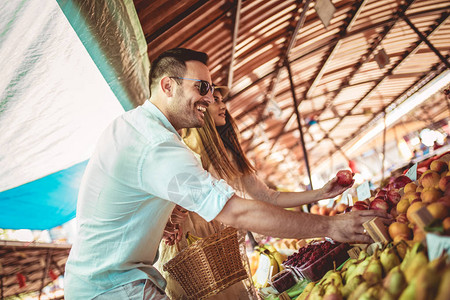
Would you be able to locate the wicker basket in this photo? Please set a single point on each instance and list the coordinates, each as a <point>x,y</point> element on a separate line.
<point>209,265</point>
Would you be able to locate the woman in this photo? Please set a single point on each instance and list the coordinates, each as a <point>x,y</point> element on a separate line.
<point>220,153</point>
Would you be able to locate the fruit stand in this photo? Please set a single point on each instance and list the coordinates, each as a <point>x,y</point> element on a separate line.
<point>409,259</point>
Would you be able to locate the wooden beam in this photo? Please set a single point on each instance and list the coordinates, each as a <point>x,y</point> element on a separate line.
<point>237,17</point>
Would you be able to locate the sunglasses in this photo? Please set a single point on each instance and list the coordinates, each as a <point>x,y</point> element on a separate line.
<point>204,86</point>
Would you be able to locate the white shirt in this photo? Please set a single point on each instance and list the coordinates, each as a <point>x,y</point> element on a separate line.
<point>139,171</point>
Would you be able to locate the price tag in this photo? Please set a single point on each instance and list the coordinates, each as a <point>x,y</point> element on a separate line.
<point>412,172</point>
<point>344,198</point>
<point>363,191</point>
<point>437,244</point>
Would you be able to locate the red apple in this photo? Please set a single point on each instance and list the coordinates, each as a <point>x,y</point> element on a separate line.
<point>379,204</point>
<point>381,194</point>
<point>401,218</point>
<point>344,177</point>
<point>393,196</point>
<point>444,182</point>
<point>401,181</point>
<point>360,205</point>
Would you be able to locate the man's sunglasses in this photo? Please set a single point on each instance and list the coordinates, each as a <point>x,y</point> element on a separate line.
<point>204,86</point>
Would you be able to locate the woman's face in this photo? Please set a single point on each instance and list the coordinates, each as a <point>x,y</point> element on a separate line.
<point>217,109</point>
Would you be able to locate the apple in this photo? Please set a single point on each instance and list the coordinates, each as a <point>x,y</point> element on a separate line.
<point>397,229</point>
<point>444,182</point>
<point>401,181</point>
<point>438,166</point>
<point>344,177</point>
<point>430,179</point>
<point>430,195</point>
<point>438,210</point>
<point>410,187</point>
<point>401,218</point>
<point>393,196</point>
<point>381,194</point>
<point>379,204</point>
<point>360,205</point>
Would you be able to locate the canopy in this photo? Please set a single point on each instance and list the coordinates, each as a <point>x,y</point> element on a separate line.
<point>65,77</point>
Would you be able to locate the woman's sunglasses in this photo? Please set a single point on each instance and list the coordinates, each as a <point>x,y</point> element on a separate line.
<point>204,86</point>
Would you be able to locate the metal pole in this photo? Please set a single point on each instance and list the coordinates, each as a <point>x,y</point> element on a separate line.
<point>234,39</point>
<point>425,40</point>
<point>384,148</point>
<point>299,123</point>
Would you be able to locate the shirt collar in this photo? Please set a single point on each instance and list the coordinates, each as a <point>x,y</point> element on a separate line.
<point>152,109</point>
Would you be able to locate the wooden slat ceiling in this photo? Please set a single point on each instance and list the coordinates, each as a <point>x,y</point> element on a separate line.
<point>336,78</point>
<point>33,261</point>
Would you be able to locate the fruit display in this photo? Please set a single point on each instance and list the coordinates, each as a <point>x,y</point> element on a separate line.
<point>431,192</point>
<point>269,263</point>
<point>314,260</point>
<point>397,267</point>
<point>389,273</point>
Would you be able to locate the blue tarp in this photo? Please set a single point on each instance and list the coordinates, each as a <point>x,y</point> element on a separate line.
<point>69,67</point>
<point>44,203</point>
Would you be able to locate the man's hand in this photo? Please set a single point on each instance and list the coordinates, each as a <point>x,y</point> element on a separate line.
<point>348,227</point>
<point>332,188</point>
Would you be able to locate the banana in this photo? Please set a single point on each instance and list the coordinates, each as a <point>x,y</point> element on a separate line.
<point>267,267</point>
<point>190,239</point>
<point>280,258</point>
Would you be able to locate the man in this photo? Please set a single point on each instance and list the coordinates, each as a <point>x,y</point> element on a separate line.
<point>141,169</point>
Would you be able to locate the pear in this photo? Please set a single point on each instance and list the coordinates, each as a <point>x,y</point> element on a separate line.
<point>350,261</point>
<point>429,283</point>
<point>349,270</point>
<point>316,293</point>
<point>334,278</point>
<point>374,271</point>
<point>389,259</point>
<point>325,277</point>
<point>360,268</point>
<point>443,292</point>
<point>363,255</point>
<point>410,292</point>
<point>306,291</point>
<point>417,262</point>
<point>373,293</point>
<point>351,285</point>
<point>410,253</point>
<point>395,282</point>
<point>385,295</point>
<point>361,289</point>
<point>333,291</point>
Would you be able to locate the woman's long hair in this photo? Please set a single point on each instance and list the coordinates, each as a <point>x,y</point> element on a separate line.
<point>216,144</point>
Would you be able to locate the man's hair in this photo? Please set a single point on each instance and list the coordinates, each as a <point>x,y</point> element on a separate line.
<point>173,63</point>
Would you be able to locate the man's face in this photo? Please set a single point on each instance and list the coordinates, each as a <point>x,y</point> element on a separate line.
<point>188,107</point>
<point>217,109</point>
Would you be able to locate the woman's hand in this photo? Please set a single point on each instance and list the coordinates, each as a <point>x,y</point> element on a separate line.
<point>173,231</point>
<point>332,189</point>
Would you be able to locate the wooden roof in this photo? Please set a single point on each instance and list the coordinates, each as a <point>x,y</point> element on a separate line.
<point>33,261</point>
<point>254,44</point>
